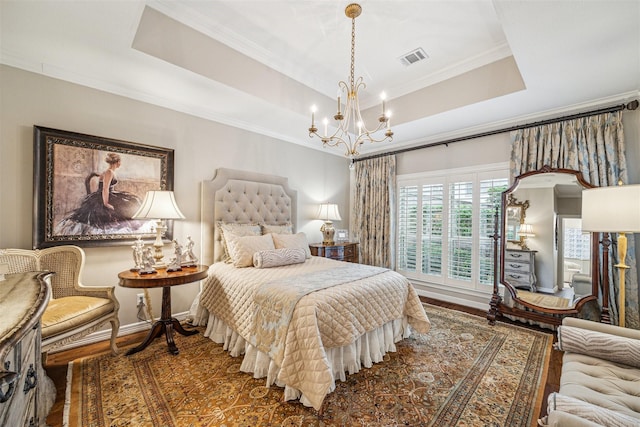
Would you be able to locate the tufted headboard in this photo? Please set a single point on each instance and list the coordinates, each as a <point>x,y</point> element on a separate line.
<point>243,197</point>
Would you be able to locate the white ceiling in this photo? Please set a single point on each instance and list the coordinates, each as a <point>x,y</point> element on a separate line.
<point>259,65</point>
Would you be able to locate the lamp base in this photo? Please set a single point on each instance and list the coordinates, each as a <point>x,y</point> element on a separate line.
<point>158,254</point>
<point>328,232</point>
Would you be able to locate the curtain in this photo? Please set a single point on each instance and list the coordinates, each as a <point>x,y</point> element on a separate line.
<point>374,210</point>
<point>593,145</point>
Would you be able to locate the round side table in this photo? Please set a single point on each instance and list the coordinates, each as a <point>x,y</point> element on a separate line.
<point>164,279</point>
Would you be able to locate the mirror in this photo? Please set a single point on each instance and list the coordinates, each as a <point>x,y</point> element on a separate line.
<point>548,264</point>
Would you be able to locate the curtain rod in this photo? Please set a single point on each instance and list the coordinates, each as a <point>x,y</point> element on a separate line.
<point>628,106</point>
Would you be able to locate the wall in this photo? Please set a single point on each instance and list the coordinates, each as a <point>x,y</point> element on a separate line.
<point>200,147</point>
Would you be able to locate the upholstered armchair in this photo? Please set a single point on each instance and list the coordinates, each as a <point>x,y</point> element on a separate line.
<point>74,310</point>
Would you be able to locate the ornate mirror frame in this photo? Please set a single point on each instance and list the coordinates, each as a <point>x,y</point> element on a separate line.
<point>515,214</point>
<point>525,309</point>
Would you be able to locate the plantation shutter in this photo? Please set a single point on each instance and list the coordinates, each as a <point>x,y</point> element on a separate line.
<point>407,227</point>
<point>460,230</point>
<point>432,228</point>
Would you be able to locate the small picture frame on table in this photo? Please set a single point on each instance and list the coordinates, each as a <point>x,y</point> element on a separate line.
<point>342,235</point>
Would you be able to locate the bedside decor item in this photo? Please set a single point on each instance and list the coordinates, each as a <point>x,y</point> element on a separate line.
<point>189,259</point>
<point>342,235</point>
<point>351,130</point>
<point>176,262</point>
<point>328,212</point>
<point>138,254</point>
<point>87,188</point>
<point>613,209</point>
<point>159,205</point>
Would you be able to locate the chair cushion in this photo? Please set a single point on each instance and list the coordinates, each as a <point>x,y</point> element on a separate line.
<point>67,313</point>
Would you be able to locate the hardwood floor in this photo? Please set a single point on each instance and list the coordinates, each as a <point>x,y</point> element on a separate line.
<point>56,363</point>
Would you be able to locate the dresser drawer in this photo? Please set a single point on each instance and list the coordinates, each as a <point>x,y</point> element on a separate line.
<point>519,256</point>
<point>334,252</point>
<point>340,251</point>
<point>519,267</point>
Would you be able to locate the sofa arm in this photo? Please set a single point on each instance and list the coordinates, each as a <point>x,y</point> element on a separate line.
<point>600,345</point>
<point>568,411</point>
<point>601,327</point>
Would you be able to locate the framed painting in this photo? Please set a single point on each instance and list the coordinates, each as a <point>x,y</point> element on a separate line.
<point>87,188</point>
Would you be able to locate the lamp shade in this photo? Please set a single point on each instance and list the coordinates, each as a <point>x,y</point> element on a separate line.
<point>329,212</point>
<point>614,209</point>
<point>526,230</point>
<point>159,205</point>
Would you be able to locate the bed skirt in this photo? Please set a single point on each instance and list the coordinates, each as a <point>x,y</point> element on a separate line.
<point>368,349</point>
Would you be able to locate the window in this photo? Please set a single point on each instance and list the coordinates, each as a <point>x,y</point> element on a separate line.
<point>445,225</point>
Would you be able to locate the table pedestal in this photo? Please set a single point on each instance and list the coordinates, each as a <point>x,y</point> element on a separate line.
<point>166,324</point>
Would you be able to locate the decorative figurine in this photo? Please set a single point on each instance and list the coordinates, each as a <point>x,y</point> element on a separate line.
<point>138,248</point>
<point>189,259</point>
<point>148,261</point>
<point>176,262</point>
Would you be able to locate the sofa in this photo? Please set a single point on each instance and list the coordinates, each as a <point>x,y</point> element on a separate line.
<point>600,378</point>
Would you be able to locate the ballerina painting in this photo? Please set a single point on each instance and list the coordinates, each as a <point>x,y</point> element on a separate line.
<point>88,188</point>
<point>104,208</point>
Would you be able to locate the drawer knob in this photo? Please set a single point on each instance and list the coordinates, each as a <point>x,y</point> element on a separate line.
<point>31,379</point>
<point>516,255</point>
<point>7,380</point>
<point>515,265</point>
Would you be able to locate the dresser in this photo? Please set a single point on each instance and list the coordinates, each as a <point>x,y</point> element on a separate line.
<point>520,268</point>
<point>26,393</point>
<point>345,251</point>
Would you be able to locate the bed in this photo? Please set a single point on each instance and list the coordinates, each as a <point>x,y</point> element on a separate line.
<point>306,322</point>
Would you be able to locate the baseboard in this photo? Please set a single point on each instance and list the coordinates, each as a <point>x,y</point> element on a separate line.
<point>105,334</point>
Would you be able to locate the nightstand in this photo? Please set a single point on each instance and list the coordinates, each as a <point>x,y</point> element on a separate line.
<point>343,251</point>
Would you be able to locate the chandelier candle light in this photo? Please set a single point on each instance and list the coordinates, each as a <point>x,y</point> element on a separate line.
<point>351,130</point>
<point>159,205</point>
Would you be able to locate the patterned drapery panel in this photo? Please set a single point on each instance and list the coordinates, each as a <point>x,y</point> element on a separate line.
<point>595,146</point>
<point>373,210</point>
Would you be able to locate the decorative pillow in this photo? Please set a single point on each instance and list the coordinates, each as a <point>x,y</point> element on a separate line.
<point>279,257</point>
<point>589,412</point>
<point>277,229</point>
<point>299,240</point>
<point>242,248</point>
<point>237,230</point>
<point>600,345</point>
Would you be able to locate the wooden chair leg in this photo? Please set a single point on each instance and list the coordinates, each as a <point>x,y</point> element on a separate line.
<point>115,327</point>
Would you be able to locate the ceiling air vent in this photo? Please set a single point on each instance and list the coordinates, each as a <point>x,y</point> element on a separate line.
<point>414,56</point>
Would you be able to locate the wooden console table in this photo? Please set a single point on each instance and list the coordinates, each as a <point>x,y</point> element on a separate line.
<point>166,324</point>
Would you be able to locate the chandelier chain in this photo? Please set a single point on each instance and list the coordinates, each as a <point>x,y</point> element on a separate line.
<point>353,52</point>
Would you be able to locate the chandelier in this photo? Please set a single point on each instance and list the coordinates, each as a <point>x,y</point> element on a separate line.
<point>351,130</point>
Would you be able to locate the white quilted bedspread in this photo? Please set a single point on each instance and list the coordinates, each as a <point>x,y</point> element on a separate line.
<point>327,318</point>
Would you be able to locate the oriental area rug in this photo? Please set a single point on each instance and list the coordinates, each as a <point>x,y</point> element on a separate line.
<point>463,372</point>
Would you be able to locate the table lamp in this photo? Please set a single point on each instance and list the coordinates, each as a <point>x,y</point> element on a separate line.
<point>525,231</point>
<point>614,209</point>
<point>159,205</point>
<point>328,212</point>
